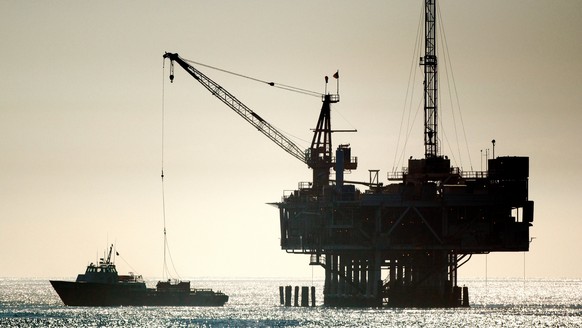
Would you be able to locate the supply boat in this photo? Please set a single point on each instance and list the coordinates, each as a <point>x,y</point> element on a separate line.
<point>101,285</point>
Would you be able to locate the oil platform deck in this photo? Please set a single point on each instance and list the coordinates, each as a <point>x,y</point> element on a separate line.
<point>400,245</point>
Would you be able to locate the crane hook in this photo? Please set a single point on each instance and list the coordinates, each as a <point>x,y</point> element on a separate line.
<point>171,71</point>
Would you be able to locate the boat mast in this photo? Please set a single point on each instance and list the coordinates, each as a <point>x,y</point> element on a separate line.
<point>429,61</point>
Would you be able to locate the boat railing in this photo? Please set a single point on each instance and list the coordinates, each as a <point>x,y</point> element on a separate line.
<point>396,175</point>
<point>130,278</point>
<point>474,174</point>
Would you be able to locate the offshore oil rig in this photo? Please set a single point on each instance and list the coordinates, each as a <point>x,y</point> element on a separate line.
<point>399,244</point>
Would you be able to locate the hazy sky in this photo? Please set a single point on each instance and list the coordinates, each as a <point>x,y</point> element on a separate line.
<point>80,119</point>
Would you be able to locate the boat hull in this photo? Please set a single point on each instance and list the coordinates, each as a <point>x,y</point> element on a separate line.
<point>132,294</point>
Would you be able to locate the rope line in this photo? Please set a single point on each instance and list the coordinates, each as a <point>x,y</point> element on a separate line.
<point>165,266</point>
<point>400,154</point>
<point>165,270</point>
<point>273,84</point>
<point>129,265</point>
<point>449,66</point>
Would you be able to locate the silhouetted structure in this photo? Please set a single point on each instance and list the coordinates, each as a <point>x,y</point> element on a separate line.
<point>399,244</point>
<point>101,285</point>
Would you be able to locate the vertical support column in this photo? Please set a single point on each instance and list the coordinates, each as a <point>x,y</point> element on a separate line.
<point>376,279</point>
<point>454,269</point>
<point>392,271</point>
<point>442,263</point>
<point>342,275</point>
<point>334,275</point>
<point>327,285</point>
<point>400,273</point>
<point>370,278</point>
<point>313,296</point>
<point>304,296</point>
<point>363,275</point>
<point>287,295</point>
<point>457,298</point>
<point>283,226</point>
<point>356,272</point>
<point>449,290</point>
<point>410,275</point>
<point>351,275</point>
<point>466,296</point>
<point>281,295</point>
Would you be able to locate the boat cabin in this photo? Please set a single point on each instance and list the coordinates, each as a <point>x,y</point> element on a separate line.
<point>106,273</point>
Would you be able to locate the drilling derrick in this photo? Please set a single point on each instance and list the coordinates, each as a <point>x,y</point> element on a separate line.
<point>429,61</point>
<point>401,244</point>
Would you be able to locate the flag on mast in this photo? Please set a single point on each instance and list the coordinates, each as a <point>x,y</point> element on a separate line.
<point>336,76</point>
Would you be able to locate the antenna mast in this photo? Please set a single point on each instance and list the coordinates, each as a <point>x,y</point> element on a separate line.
<point>429,61</point>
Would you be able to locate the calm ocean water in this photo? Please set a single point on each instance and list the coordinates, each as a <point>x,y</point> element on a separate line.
<point>255,303</point>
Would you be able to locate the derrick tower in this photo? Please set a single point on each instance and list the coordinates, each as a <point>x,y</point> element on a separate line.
<point>429,61</point>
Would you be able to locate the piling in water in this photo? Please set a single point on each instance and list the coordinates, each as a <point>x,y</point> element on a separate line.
<point>457,298</point>
<point>287,295</point>
<point>466,296</point>
<point>304,296</point>
<point>312,295</point>
<point>281,295</point>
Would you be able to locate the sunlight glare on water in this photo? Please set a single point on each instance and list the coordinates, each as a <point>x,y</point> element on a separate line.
<point>255,303</point>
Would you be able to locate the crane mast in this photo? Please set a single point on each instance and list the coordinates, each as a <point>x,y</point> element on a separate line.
<point>246,113</point>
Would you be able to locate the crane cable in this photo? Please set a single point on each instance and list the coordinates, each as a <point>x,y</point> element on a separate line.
<point>456,93</point>
<point>166,246</point>
<point>273,84</point>
<point>405,132</point>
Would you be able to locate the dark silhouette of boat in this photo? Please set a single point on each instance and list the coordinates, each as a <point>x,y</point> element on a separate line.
<point>101,285</point>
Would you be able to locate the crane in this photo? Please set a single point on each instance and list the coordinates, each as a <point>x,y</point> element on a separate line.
<point>240,108</point>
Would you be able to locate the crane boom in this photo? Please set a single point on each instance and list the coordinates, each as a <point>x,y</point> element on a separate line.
<point>246,113</point>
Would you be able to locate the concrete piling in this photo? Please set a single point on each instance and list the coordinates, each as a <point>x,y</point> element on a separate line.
<point>281,295</point>
<point>466,296</point>
<point>286,293</point>
<point>304,296</point>
<point>312,295</point>
<point>457,296</point>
